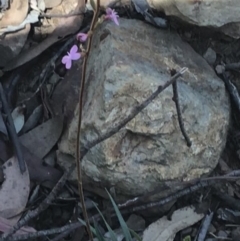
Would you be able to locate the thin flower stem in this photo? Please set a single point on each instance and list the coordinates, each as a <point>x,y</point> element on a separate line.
<point>78,154</point>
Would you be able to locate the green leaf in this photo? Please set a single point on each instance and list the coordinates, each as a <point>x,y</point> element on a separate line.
<point>84,223</point>
<point>98,233</point>
<point>112,234</point>
<point>187,238</point>
<point>123,224</point>
<point>136,236</point>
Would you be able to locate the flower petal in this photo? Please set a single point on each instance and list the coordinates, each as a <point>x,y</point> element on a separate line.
<point>112,14</point>
<point>69,64</point>
<point>109,11</point>
<point>115,20</point>
<point>75,56</point>
<point>65,59</point>
<point>82,37</point>
<point>73,50</point>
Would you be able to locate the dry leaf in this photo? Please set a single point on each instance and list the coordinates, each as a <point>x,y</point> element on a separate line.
<point>18,118</point>
<point>33,119</point>
<point>14,191</point>
<point>46,175</point>
<point>32,17</point>
<point>41,139</point>
<point>18,9</point>
<point>165,230</point>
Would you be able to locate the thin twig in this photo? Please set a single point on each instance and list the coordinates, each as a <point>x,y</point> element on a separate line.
<point>12,131</point>
<point>205,226</point>
<point>231,176</point>
<point>44,233</point>
<point>132,113</point>
<point>179,114</point>
<point>43,206</point>
<point>172,197</point>
<point>78,153</point>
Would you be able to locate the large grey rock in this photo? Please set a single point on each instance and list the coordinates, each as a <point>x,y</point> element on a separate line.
<point>126,64</point>
<point>221,14</point>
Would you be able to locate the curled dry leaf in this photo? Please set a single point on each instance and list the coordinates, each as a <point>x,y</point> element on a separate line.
<point>41,139</point>
<point>18,9</point>
<point>14,191</point>
<point>165,230</point>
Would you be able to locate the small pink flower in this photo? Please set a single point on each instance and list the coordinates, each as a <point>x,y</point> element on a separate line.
<point>82,37</point>
<point>112,15</point>
<point>71,55</point>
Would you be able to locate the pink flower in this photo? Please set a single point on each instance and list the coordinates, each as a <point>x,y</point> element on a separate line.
<point>82,37</point>
<point>72,55</point>
<point>112,15</point>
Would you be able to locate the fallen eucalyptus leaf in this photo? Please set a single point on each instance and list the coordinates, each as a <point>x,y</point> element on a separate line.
<point>33,119</point>
<point>41,139</point>
<point>14,191</point>
<point>165,230</point>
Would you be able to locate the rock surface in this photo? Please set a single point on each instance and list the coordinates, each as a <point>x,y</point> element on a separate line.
<point>221,14</point>
<point>126,64</point>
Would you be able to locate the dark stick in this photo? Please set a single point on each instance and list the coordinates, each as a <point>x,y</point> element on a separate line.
<point>179,114</point>
<point>232,66</point>
<point>12,131</point>
<point>133,112</point>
